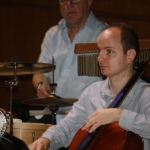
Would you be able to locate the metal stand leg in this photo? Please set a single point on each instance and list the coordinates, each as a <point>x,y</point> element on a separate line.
<point>10,118</point>
<point>54,110</point>
<point>12,83</point>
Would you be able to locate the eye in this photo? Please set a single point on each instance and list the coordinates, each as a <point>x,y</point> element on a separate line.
<point>64,1</point>
<point>109,52</point>
<point>98,49</point>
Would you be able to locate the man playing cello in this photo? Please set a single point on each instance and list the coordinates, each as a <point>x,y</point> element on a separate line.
<point>118,47</point>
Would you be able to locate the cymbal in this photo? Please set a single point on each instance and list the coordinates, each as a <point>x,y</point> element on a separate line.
<point>24,68</point>
<point>52,101</point>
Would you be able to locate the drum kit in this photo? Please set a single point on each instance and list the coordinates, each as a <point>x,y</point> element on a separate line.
<point>53,102</point>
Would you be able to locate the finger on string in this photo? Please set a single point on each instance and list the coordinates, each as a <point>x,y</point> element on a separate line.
<point>93,127</point>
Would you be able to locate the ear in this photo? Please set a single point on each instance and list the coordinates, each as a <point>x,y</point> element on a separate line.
<point>131,54</point>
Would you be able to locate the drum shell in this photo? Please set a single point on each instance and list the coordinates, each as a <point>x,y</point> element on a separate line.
<point>29,132</point>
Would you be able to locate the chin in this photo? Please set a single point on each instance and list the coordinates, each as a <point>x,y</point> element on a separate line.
<point>72,21</point>
<point>104,74</point>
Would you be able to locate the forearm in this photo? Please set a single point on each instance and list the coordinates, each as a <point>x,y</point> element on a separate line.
<point>41,84</point>
<point>37,78</point>
<point>62,134</point>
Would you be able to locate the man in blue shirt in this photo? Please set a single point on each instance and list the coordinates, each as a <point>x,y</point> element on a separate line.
<point>79,25</point>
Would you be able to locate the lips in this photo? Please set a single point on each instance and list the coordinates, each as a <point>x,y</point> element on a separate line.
<point>102,65</point>
<point>70,13</point>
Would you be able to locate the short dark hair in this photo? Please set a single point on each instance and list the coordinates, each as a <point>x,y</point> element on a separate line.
<point>129,38</point>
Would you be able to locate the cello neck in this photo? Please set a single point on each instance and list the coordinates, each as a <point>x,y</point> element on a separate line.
<point>124,92</point>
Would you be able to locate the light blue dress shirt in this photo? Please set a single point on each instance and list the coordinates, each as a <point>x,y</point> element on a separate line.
<point>135,116</point>
<point>57,43</point>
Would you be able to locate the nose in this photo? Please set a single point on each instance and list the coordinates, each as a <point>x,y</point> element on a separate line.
<point>100,57</point>
<point>69,3</point>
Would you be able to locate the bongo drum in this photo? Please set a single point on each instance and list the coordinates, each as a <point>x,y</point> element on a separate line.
<point>29,132</point>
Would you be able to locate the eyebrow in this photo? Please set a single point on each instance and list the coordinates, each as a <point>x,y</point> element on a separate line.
<point>108,47</point>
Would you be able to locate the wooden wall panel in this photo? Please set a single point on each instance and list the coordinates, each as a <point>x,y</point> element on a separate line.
<point>135,13</point>
<point>23,24</point>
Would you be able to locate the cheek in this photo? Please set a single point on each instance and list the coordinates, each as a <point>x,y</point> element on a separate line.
<point>62,11</point>
<point>121,63</point>
<point>116,63</point>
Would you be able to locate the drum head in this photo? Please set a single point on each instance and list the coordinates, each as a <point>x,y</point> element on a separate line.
<point>3,122</point>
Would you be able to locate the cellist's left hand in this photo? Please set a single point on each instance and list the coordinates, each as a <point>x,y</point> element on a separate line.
<point>102,117</point>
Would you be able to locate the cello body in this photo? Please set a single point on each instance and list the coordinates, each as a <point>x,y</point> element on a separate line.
<point>110,137</point>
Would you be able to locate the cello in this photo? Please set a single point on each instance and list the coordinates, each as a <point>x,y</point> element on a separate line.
<point>118,138</point>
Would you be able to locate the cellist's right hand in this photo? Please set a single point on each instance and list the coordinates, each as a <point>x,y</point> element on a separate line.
<point>102,117</point>
<point>43,92</point>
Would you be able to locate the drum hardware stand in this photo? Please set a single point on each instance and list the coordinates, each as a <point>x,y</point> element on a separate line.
<point>53,90</point>
<point>12,83</point>
<point>53,85</point>
<point>53,109</point>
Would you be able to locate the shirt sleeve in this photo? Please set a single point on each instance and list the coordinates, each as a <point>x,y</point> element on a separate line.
<point>138,122</point>
<point>62,134</point>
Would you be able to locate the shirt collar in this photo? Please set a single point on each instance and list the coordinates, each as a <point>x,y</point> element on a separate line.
<point>105,90</point>
<point>89,23</point>
<point>62,24</point>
